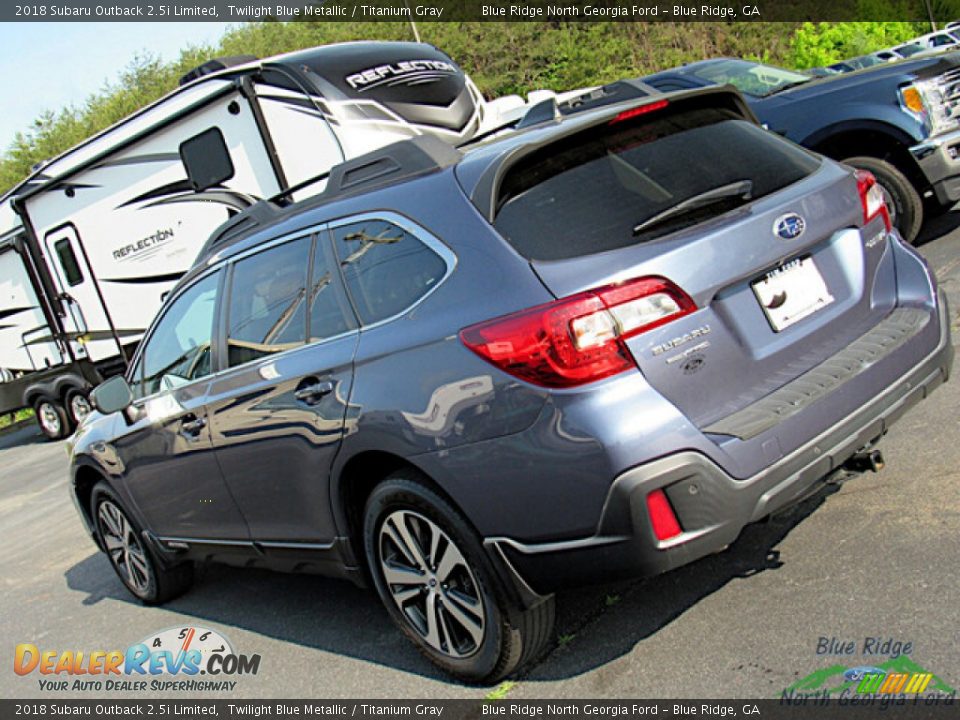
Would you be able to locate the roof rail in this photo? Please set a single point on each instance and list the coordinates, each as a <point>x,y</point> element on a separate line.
<point>246,221</point>
<point>545,111</point>
<point>388,165</point>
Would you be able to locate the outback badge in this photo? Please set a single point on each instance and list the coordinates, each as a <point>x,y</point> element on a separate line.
<point>789,226</point>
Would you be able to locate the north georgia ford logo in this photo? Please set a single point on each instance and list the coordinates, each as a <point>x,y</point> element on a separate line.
<point>403,72</point>
<point>176,651</point>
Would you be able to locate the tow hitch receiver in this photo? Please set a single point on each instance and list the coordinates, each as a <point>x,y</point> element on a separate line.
<point>865,460</point>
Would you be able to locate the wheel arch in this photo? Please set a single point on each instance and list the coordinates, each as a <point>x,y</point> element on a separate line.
<point>54,389</point>
<point>354,483</point>
<point>34,393</point>
<point>85,478</point>
<point>66,383</point>
<point>869,138</point>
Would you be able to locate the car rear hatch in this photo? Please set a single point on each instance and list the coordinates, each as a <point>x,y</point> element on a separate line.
<point>769,241</point>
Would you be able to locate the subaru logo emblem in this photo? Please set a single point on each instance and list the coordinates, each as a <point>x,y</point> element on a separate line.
<point>789,226</point>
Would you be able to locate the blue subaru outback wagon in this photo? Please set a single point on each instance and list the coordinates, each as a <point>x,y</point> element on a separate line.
<point>593,348</point>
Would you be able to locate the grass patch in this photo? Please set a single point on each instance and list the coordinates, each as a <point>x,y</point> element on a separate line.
<point>15,417</point>
<point>565,640</point>
<point>611,600</point>
<point>500,691</point>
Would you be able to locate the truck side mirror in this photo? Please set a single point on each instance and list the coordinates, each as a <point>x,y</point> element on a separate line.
<point>206,159</point>
<point>112,396</point>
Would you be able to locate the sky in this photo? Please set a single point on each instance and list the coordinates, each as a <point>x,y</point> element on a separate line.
<point>50,65</point>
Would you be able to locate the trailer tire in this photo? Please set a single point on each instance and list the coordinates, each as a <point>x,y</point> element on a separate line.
<point>52,418</point>
<point>78,406</point>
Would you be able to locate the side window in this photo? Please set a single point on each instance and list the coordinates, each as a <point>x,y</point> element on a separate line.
<point>268,302</point>
<point>68,261</point>
<point>178,350</point>
<point>330,315</point>
<point>386,268</point>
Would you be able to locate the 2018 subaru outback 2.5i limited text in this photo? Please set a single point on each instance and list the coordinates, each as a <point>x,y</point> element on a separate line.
<point>594,348</point>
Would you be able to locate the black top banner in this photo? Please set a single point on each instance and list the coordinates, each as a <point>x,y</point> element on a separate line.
<point>481,10</point>
<point>896,707</point>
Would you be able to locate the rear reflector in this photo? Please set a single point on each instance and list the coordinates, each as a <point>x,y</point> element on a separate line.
<point>639,110</point>
<point>871,197</point>
<point>581,338</point>
<point>662,517</point>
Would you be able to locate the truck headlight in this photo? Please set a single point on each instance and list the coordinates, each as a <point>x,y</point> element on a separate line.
<point>926,101</point>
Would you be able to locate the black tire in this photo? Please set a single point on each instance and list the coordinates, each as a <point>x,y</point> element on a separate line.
<point>511,636</point>
<point>159,584</point>
<point>52,418</point>
<point>907,207</point>
<point>71,402</point>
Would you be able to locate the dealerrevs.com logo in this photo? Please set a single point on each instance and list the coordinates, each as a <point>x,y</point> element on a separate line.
<point>170,660</point>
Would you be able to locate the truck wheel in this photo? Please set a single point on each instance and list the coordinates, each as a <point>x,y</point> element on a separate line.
<point>440,588</point>
<point>52,418</point>
<point>903,201</point>
<point>130,556</point>
<point>78,406</point>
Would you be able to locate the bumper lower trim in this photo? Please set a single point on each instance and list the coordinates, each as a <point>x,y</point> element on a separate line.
<point>712,506</point>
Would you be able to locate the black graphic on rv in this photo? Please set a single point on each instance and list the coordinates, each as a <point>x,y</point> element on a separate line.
<point>406,72</point>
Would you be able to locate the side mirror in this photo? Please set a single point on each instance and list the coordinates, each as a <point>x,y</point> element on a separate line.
<point>112,396</point>
<point>206,159</point>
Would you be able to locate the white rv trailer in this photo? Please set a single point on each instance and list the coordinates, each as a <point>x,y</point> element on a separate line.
<point>112,223</point>
<point>33,362</point>
<point>26,343</point>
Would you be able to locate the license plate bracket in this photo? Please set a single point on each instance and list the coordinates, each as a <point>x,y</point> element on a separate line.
<point>791,292</point>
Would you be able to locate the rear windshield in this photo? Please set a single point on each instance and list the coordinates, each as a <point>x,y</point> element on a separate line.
<point>636,180</point>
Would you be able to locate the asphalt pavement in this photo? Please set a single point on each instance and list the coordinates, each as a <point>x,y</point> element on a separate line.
<point>873,559</point>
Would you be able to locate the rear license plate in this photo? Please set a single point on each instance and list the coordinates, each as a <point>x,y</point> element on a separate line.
<point>791,293</point>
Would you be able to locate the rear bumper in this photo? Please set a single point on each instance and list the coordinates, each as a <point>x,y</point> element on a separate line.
<point>712,506</point>
<point>939,159</point>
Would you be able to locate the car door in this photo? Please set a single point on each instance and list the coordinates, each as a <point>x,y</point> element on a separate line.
<point>166,456</point>
<point>278,406</point>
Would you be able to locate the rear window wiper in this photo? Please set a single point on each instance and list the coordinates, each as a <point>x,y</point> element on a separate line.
<point>742,189</point>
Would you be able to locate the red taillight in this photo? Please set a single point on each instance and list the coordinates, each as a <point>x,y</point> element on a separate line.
<point>662,517</point>
<point>871,197</point>
<point>639,110</point>
<point>578,339</point>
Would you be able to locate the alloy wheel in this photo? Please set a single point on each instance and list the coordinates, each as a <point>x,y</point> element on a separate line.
<point>124,548</point>
<point>79,407</point>
<point>49,419</point>
<point>431,583</point>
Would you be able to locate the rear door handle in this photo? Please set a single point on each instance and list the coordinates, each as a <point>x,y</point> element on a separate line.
<point>192,425</point>
<point>310,392</point>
